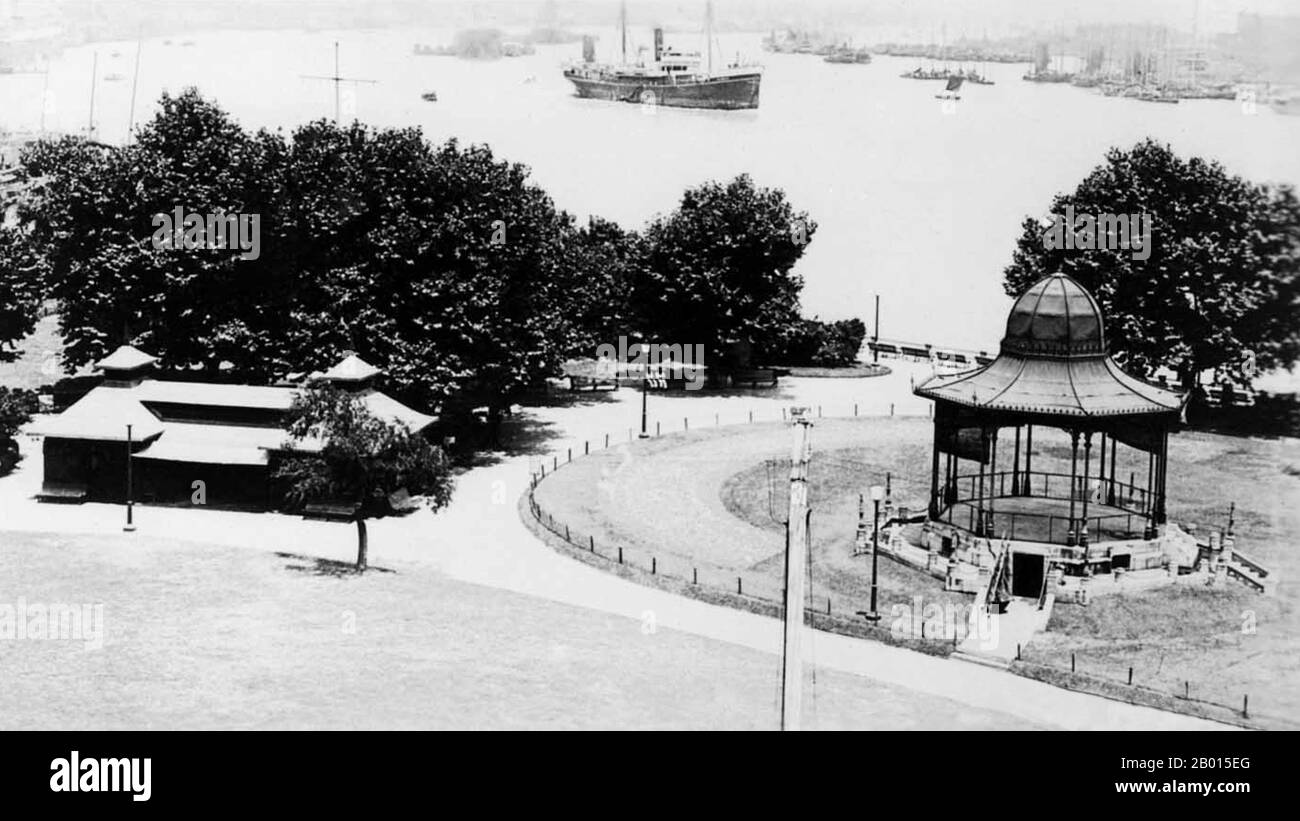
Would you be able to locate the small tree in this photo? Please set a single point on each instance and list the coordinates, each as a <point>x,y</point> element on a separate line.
<point>363,459</point>
<point>16,408</point>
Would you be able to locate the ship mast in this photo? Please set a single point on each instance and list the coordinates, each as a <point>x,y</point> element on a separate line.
<point>708,34</point>
<point>622,26</point>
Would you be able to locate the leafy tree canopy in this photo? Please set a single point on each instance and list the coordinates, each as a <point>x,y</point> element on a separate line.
<point>1220,289</point>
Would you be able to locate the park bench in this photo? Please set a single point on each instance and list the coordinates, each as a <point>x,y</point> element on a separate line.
<point>64,493</point>
<point>756,377</point>
<point>592,383</point>
<point>338,511</point>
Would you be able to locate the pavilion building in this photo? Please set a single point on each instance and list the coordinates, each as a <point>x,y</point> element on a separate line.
<point>177,433</point>
<point>1053,371</point>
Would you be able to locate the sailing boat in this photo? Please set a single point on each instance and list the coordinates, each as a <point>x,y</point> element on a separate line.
<point>672,78</point>
<point>950,92</point>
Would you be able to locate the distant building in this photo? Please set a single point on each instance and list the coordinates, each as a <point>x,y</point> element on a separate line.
<point>226,436</point>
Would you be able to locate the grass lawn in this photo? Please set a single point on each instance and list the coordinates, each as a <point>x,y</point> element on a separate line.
<point>205,637</point>
<point>715,500</point>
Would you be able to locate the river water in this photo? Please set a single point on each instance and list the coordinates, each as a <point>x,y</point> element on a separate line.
<point>914,203</point>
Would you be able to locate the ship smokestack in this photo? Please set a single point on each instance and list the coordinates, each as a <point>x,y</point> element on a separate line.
<point>588,48</point>
<point>659,43</point>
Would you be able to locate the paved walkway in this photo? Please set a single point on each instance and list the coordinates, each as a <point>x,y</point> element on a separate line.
<point>480,539</point>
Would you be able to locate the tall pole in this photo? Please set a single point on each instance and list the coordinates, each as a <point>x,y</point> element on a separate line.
<point>1087,491</point>
<point>877,326</point>
<point>708,34</point>
<point>874,615</point>
<point>130,523</point>
<point>135,82</point>
<point>94,73</point>
<point>796,558</point>
<point>1070,537</point>
<point>645,390</point>
<point>338,80</point>
<point>622,26</point>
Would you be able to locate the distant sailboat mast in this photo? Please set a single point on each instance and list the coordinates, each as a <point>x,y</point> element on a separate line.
<point>622,25</point>
<point>708,35</point>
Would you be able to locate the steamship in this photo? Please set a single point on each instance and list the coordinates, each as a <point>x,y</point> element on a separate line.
<point>671,78</point>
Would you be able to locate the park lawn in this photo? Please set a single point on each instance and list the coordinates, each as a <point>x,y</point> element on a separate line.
<point>1220,643</point>
<point>1176,637</point>
<point>204,637</point>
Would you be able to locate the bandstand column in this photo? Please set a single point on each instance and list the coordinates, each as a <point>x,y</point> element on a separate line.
<point>1087,457</point>
<point>1025,485</point>
<point>1070,537</point>
<point>934,475</point>
<point>993,480</point>
<point>1015,465</point>
<point>1162,476</point>
<point>979,496</point>
<point>1110,494</point>
<point>1101,471</point>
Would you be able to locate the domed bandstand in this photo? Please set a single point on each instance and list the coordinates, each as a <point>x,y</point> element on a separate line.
<point>1053,371</point>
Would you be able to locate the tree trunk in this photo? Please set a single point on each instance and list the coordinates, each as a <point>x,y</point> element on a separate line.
<point>362,544</point>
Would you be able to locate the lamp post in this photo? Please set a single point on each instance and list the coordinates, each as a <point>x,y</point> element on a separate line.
<point>130,523</point>
<point>877,493</point>
<point>645,391</point>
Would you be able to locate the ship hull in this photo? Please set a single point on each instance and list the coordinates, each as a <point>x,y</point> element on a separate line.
<point>727,93</point>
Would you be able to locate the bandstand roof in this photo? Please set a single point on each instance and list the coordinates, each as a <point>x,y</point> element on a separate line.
<point>1053,361</point>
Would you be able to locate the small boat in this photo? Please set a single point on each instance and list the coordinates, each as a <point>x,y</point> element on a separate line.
<point>849,55</point>
<point>1155,96</point>
<point>113,77</point>
<point>429,96</point>
<point>926,74</point>
<point>950,91</point>
<point>977,79</point>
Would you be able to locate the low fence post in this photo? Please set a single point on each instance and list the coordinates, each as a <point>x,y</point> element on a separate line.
<point>1072,663</point>
<point>751,416</point>
<point>1245,706</point>
<point>566,534</point>
<point>591,543</point>
<point>1130,676</point>
<point>570,454</point>
<point>620,555</point>
<point>654,565</point>
<point>738,587</point>
<point>855,408</point>
<point>891,408</point>
<point>686,423</point>
<point>656,428</point>
<point>695,575</point>
<point>585,449</point>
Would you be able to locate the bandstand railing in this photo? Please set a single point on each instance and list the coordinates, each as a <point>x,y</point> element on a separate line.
<point>961,501</point>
